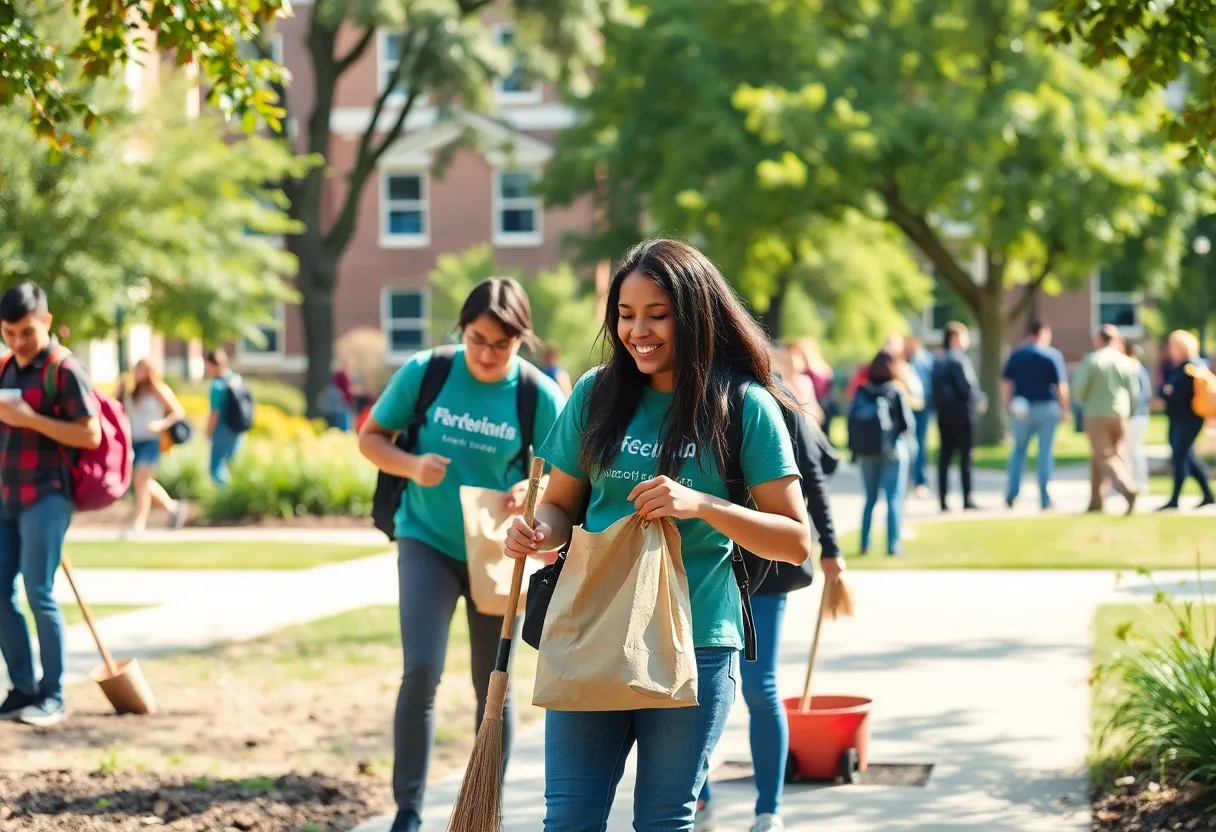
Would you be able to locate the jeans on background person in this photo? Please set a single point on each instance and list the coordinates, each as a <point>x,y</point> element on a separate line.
<point>769,730</point>
<point>31,543</point>
<point>1183,459</point>
<point>920,461</point>
<point>225,442</point>
<point>887,474</point>
<point>1040,422</point>
<point>585,754</point>
<point>1137,452</point>
<point>430,585</point>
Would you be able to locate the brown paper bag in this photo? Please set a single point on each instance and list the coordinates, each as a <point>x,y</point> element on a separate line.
<point>485,531</point>
<point>618,634</point>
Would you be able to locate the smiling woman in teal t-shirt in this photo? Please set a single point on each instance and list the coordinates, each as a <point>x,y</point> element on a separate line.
<point>643,434</point>
<point>471,436</point>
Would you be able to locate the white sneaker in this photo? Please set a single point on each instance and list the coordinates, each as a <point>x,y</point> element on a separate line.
<point>768,823</point>
<point>705,818</point>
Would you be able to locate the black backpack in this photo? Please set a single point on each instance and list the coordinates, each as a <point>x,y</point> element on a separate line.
<point>390,488</point>
<point>871,424</point>
<point>238,414</point>
<point>750,570</point>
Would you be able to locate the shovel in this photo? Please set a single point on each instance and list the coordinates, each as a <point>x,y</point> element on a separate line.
<point>122,682</point>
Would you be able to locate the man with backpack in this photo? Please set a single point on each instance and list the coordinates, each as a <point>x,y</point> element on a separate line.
<point>958,402</point>
<point>231,413</point>
<point>44,424</point>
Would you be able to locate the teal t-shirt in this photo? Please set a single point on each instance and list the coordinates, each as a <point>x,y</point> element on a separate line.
<point>219,392</point>
<point>476,426</point>
<point>766,455</point>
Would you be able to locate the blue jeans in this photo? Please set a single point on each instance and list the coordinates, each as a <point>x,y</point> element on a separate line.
<point>769,728</point>
<point>585,754</point>
<point>1183,460</point>
<point>224,445</point>
<point>920,459</point>
<point>1041,421</point>
<point>888,475</point>
<point>31,544</point>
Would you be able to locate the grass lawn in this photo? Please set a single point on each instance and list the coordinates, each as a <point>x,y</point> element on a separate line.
<point>1071,448</point>
<point>1059,542</point>
<point>73,615</point>
<point>213,554</point>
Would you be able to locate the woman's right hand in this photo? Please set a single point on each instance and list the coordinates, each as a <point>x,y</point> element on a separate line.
<point>524,541</point>
<point>429,469</point>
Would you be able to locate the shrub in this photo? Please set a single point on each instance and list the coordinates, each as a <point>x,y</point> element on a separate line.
<point>269,422</point>
<point>269,392</point>
<point>183,470</point>
<point>1166,715</point>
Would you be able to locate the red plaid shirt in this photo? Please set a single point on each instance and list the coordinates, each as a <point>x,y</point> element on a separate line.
<point>31,465</point>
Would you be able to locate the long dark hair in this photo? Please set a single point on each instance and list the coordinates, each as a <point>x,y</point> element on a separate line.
<point>715,337</point>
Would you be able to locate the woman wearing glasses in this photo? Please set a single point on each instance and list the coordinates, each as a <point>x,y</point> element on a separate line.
<point>470,437</point>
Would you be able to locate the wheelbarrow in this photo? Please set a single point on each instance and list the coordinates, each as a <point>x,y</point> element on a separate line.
<point>829,734</point>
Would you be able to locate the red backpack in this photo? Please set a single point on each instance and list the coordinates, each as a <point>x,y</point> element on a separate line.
<point>101,475</point>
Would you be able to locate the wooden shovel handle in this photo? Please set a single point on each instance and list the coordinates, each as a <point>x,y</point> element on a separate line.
<point>517,576</point>
<point>111,667</point>
<point>810,666</point>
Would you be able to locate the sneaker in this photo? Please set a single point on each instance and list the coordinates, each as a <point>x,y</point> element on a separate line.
<point>922,492</point>
<point>1131,503</point>
<point>179,515</point>
<point>768,823</point>
<point>44,714</point>
<point>15,703</point>
<point>704,821</point>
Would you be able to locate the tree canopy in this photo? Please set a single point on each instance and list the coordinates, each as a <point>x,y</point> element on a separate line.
<point>163,216</point>
<point>44,58</point>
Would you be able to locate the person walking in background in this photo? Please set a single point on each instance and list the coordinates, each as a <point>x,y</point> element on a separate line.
<point>879,423</point>
<point>1137,426</point>
<point>921,361</point>
<point>1034,387</point>
<point>819,371</point>
<point>152,408</point>
<point>958,402</point>
<point>37,431</point>
<point>344,382</point>
<point>551,365</point>
<point>231,413</point>
<point>1182,350</point>
<point>1108,387</point>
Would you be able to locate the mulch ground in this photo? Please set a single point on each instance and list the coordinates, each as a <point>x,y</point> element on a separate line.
<point>1139,803</point>
<point>66,801</point>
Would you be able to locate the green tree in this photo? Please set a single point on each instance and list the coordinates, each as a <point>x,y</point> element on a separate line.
<point>1153,43</point>
<point>1010,165</point>
<point>662,149</point>
<point>565,309</point>
<point>45,56</point>
<point>447,53</point>
<point>163,216</point>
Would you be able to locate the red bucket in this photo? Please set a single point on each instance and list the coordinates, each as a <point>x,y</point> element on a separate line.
<point>829,741</point>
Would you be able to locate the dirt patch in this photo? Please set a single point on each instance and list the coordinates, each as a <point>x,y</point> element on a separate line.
<point>66,801</point>
<point>1140,803</point>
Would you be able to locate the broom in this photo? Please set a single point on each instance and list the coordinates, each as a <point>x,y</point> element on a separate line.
<point>479,805</point>
<point>837,601</point>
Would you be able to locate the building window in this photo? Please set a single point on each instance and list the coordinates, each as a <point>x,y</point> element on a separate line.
<point>1114,306</point>
<point>392,47</point>
<point>517,213</point>
<point>270,346</point>
<point>403,210</point>
<point>404,321</point>
<point>516,87</point>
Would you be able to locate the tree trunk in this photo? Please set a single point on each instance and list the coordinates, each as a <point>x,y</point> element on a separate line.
<point>990,317</point>
<point>317,308</point>
<point>772,318</point>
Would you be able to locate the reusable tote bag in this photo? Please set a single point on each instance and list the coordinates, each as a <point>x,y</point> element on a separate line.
<point>486,521</point>
<point>618,634</point>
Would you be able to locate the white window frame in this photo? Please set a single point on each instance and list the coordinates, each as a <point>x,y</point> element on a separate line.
<point>387,238</point>
<point>534,95</point>
<point>388,324</point>
<point>1099,297</point>
<point>383,66</point>
<point>507,239</point>
<point>248,355</point>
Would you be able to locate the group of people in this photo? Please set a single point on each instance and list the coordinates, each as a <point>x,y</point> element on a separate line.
<point>638,434</point>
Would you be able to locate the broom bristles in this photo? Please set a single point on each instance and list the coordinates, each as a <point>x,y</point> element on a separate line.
<point>839,601</point>
<point>478,807</point>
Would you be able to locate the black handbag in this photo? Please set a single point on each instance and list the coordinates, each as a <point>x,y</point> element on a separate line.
<point>540,593</point>
<point>180,432</point>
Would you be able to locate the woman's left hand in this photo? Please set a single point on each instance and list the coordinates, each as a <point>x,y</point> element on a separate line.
<point>832,567</point>
<point>664,497</point>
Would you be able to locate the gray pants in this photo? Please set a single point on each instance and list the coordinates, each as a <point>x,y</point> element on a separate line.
<point>430,585</point>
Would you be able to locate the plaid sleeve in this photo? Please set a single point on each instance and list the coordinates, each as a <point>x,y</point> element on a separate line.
<point>76,400</point>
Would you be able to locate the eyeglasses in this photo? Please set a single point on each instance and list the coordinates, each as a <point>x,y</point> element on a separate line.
<point>472,339</point>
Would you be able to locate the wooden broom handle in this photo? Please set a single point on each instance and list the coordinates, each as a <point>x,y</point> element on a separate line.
<point>111,668</point>
<point>517,576</point>
<point>810,667</point>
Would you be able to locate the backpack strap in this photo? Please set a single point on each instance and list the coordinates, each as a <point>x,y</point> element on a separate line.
<point>50,373</point>
<point>736,396</point>
<point>438,368</point>
<point>527,392</point>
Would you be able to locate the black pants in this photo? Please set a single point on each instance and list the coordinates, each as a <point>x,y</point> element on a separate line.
<point>1185,462</point>
<point>957,439</point>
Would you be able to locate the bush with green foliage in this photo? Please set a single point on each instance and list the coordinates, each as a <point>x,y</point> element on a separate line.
<point>1166,714</point>
<point>285,397</point>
